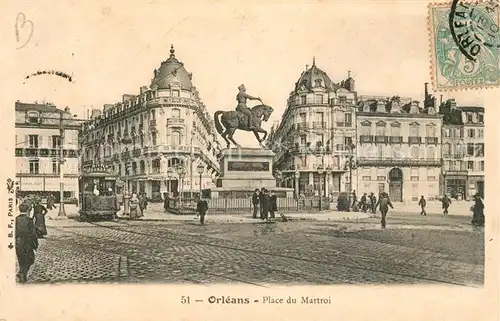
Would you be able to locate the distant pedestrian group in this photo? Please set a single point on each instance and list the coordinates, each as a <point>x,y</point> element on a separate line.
<point>264,202</point>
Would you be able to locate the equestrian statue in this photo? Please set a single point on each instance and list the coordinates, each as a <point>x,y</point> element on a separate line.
<point>243,118</point>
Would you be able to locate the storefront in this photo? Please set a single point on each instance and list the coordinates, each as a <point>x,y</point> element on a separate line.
<point>45,185</point>
<point>456,185</point>
<point>476,185</point>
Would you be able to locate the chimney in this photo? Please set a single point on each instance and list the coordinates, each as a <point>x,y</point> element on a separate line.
<point>95,113</point>
<point>107,107</point>
<point>414,109</point>
<point>126,97</point>
<point>426,93</point>
<point>441,100</point>
<point>381,107</point>
<point>144,89</point>
<point>307,67</point>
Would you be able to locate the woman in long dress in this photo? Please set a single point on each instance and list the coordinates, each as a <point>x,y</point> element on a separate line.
<point>39,212</point>
<point>134,207</point>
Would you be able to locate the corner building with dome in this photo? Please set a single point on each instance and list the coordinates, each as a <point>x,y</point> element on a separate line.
<point>148,137</point>
<point>314,140</point>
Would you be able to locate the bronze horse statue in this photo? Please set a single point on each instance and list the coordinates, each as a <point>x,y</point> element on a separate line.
<point>233,120</point>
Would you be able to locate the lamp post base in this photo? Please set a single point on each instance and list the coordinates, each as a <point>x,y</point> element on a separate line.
<point>126,208</point>
<point>61,215</point>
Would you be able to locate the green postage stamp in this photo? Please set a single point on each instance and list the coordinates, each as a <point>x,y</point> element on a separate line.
<point>465,42</point>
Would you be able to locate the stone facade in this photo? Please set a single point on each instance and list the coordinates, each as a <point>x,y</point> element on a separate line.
<point>399,150</point>
<point>463,150</point>
<point>314,138</point>
<point>147,137</point>
<point>37,150</point>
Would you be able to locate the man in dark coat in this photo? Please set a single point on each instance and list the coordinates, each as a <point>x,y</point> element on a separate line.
<point>265,204</point>
<point>446,201</point>
<point>255,202</point>
<point>354,198</point>
<point>26,242</point>
<point>261,199</point>
<point>373,200</point>
<point>39,212</point>
<point>478,211</point>
<point>422,203</point>
<point>273,204</point>
<point>201,209</point>
<point>384,204</point>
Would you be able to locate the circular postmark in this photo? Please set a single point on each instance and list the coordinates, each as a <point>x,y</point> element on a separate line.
<point>474,26</point>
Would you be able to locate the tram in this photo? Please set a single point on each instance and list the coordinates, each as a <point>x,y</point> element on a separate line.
<point>98,198</point>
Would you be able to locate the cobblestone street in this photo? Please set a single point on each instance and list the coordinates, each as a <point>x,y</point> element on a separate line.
<point>413,249</point>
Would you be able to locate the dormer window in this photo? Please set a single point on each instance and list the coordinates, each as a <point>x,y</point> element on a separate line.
<point>33,117</point>
<point>318,82</point>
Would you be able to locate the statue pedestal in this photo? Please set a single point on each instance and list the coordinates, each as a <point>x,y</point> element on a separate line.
<point>245,169</point>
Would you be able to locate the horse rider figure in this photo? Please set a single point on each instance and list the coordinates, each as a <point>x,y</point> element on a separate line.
<point>241,98</point>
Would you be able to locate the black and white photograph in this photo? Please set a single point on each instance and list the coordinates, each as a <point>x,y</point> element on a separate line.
<point>256,144</point>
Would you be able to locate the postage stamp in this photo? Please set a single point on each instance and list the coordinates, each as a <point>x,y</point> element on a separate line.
<point>465,41</point>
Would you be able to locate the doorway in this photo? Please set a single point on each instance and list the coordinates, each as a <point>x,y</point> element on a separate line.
<point>396,185</point>
<point>480,188</point>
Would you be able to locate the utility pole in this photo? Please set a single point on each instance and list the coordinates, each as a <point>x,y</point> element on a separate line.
<point>62,212</point>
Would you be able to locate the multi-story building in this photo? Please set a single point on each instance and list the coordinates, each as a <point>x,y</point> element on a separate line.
<point>38,149</point>
<point>314,139</point>
<point>463,150</point>
<point>146,137</point>
<point>399,150</point>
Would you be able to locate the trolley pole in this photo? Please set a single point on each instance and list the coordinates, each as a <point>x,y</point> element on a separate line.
<point>62,212</point>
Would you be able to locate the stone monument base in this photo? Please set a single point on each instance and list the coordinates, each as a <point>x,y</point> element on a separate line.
<point>244,170</point>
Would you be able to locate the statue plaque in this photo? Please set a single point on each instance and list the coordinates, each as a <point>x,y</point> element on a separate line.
<point>248,166</point>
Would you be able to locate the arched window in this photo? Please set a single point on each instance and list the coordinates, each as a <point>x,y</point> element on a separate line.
<point>134,168</point>
<point>176,113</point>
<point>142,167</point>
<point>176,138</point>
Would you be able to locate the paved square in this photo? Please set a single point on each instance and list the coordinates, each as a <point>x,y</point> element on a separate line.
<point>413,249</point>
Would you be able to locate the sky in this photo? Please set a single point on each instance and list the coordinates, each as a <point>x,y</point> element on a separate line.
<point>111,49</point>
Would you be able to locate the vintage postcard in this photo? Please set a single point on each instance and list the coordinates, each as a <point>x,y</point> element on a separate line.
<point>225,160</point>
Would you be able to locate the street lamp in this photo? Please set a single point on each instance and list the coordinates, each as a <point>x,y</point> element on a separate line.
<point>350,164</point>
<point>297,176</point>
<point>200,169</point>
<point>320,173</point>
<point>126,196</point>
<point>170,176</point>
<point>182,173</point>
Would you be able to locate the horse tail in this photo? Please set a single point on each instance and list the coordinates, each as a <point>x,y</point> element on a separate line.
<point>218,125</point>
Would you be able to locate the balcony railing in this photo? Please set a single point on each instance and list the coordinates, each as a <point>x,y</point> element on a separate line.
<point>395,139</point>
<point>302,126</point>
<point>152,124</point>
<point>319,125</point>
<point>125,155</point>
<point>431,140</point>
<point>366,138</point>
<point>381,139</point>
<point>369,161</point>
<point>414,139</point>
<point>175,122</point>
<point>343,124</point>
<point>31,152</point>
<point>136,152</point>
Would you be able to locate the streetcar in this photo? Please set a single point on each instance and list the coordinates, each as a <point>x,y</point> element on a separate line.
<point>98,197</point>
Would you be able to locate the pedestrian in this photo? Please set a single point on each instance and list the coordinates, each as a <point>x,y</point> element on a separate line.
<point>265,204</point>
<point>422,203</point>
<point>384,203</point>
<point>261,200</point>
<point>135,210</point>
<point>373,202</point>
<point>142,202</point>
<point>478,211</point>
<point>39,212</point>
<point>26,242</point>
<point>50,202</point>
<point>362,203</point>
<point>255,202</point>
<point>273,204</point>
<point>201,209</point>
<point>354,198</point>
<point>446,201</point>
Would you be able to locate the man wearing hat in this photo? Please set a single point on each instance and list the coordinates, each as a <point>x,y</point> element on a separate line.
<point>241,98</point>
<point>26,242</point>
